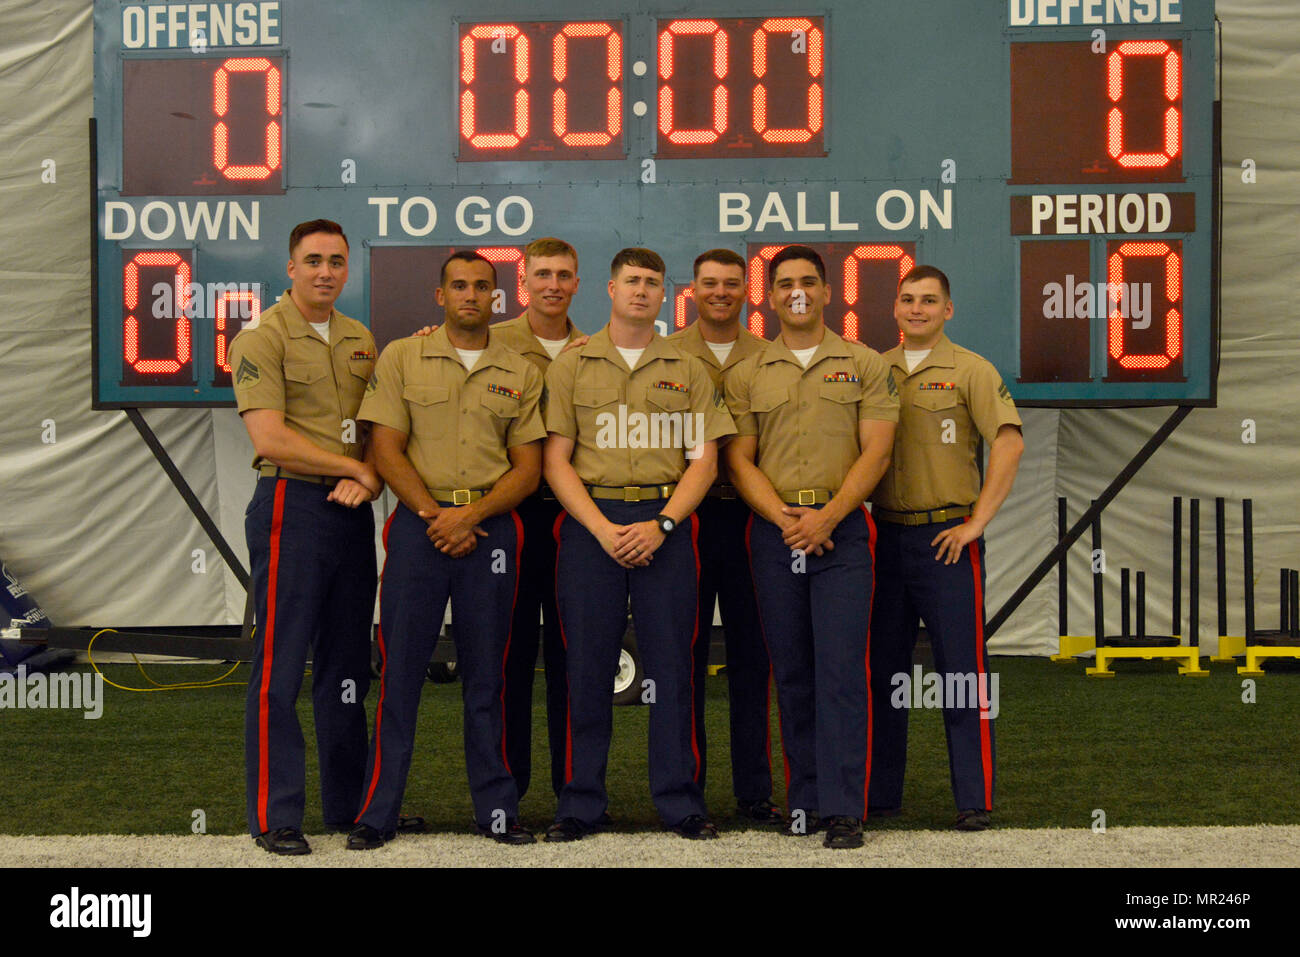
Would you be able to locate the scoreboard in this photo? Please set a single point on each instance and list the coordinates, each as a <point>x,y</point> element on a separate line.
<point>1057,158</point>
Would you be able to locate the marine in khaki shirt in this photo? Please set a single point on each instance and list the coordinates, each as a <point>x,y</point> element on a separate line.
<point>459,424</point>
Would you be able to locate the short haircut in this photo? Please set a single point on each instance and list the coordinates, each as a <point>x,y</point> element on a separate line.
<point>637,256</point>
<point>795,252</point>
<point>303,230</point>
<point>549,246</point>
<point>468,256</point>
<point>917,273</point>
<point>725,256</point>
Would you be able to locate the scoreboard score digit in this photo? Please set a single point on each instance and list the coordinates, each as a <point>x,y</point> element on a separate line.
<point>1059,162</point>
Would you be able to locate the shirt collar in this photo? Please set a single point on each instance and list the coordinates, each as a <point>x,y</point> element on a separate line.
<point>942,356</point>
<point>296,324</point>
<point>831,346</point>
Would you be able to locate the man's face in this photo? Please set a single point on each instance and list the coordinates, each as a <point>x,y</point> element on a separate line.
<point>798,294</point>
<point>636,293</point>
<point>466,294</point>
<point>318,269</point>
<point>719,292</point>
<point>921,310</point>
<point>551,282</point>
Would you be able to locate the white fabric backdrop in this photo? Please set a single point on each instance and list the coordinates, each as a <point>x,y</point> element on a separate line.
<point>95,530</point>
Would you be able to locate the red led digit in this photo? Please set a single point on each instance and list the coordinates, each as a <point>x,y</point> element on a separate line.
<point>783,28</point>
<point>613,96</point>
<point>1173,317</point>
<point>1172,91</point>
<point>131,325</point>
<point>468,124</point>
<point>862,253</point>
<point>720,68</point>
<point>685,294</point>
<point>254,310</point>
<point>221,132</point>
<point>757,282</point>
<point>509,254</point>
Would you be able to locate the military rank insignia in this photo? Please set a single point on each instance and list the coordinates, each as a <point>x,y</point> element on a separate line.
<point>840,377</point>
<point>502,390</point>
<point>937,386</point>
<point>671,386</point>
<point>1003,393</point>
<point>247,371</point>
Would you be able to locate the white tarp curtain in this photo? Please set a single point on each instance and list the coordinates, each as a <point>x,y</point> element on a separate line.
<point>92,526</point>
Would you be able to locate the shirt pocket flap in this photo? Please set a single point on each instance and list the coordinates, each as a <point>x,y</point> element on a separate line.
<point>841,392</point>
<point>668,400</point>
<point>305,373</point>
<point>425,394</point>
<point>501,405</point>
<point>594,396</point>
<point>768,399</point>
<point>935,400</point>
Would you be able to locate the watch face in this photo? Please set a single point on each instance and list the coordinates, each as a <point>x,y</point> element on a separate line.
<point>666,525</point>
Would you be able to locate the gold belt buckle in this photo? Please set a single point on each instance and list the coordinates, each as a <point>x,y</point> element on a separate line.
<point>807,496</point>
<point>631,493</point>
<point>460,496</point>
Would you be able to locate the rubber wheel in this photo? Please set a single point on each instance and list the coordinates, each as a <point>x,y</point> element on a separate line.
<point>627,681</point>
<point>443,672</point>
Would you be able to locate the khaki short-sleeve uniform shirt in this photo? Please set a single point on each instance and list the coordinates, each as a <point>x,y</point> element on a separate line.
<point>459,423</point>
<point>949,401</point>
<point>806,420</point>
<point>632,427</point>
<point>279,362</point>
<point>518,336</point>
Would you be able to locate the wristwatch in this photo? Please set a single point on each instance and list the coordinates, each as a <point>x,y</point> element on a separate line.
<point>665,523</point>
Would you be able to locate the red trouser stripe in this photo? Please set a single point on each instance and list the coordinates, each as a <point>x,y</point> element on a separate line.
<point>564,640</point>
<point>383,673</point>
<point>871,547</point>
<point>519,552</point>
<point>268,647</point>
<point>785,758</point>
<point>981,681</point>
<point>695,636</point>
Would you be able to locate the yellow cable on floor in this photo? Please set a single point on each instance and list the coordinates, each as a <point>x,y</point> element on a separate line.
<point>159,686</point>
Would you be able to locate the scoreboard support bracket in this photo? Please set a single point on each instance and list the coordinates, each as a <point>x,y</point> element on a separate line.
<point>1085,520</point>
<point>209,526</point>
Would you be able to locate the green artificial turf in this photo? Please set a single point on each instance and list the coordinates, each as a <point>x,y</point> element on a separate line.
<point>1146,748</point>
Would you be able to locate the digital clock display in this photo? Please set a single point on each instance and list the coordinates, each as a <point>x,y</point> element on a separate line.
<point>1064,176</point>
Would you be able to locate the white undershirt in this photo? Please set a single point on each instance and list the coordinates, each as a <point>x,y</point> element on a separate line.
<point>322,329</point>
<point>469,357</point>
<point>552,346</point>
<point>914,358</point>
<point>721,349</point>
<point>804,355</point>
<point>630,356</point>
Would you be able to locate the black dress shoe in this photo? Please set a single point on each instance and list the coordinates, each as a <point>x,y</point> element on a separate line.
<point>283,840</point>
<point>760,812</point>
<point>568,829</point>
<point>973,819</point>
<point>410,825</point>
<point>515,833</point>
<point>843,832</point>
<point>366,838</point>
<point>697,827</point>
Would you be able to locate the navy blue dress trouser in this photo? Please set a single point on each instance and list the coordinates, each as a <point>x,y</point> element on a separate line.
<point>815,611</point>
<point>724,576</point>
<point>912,586</point>
<point>418,580</point>
<point>592,597</point>
<point>313,586</point>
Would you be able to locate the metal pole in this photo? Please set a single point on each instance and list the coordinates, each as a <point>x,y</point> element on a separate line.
<point>1248,565</point>
<point>1098,596</point>
<point>1062,592</point>
<point>1194,574</point>
<point>1221,560</point>
<point>1117,484</point>
<point>1141,605</point>
<point>1176,613</point>
<point>187,493</point>
<point>1124,604</point>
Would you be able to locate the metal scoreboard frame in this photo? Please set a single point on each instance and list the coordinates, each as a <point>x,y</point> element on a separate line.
<point>1060,161</point>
